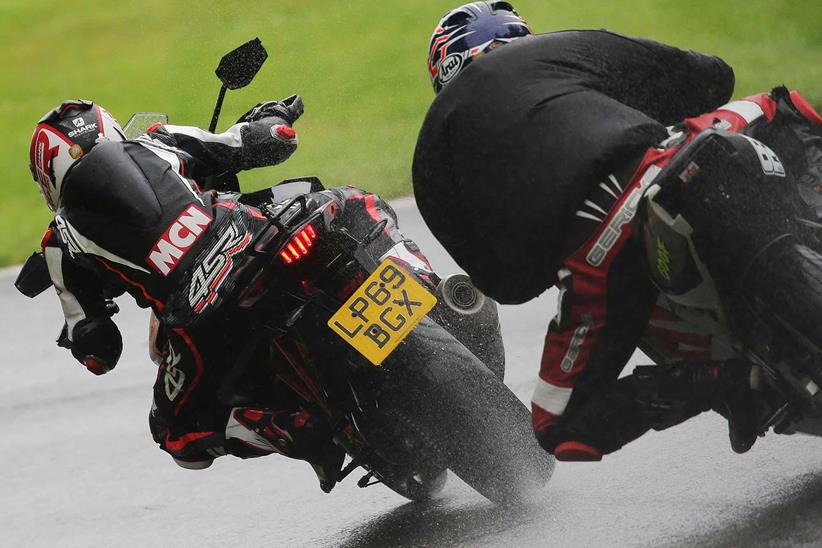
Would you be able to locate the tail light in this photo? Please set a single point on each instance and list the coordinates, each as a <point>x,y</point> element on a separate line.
<point>300,245</point>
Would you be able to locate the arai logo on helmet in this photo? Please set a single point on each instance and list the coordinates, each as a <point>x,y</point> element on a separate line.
<point>450,67</point>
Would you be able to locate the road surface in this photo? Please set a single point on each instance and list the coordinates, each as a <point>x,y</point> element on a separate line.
<point>78,466</point>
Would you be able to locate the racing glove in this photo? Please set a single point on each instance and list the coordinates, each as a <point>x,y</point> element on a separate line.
<point>289,110</point>
<point>96,343</point>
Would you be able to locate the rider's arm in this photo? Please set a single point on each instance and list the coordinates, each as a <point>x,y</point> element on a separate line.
<point>662,81</point>
<point>89,333</point>
<point>245,145</point>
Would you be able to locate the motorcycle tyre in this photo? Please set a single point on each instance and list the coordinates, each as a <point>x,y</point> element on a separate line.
<point>786,280</point>
<point>488,441</point>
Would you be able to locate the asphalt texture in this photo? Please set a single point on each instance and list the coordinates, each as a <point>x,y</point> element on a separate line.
<point>78,466</point>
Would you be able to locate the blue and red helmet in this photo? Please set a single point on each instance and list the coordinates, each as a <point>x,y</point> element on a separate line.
<point>468,32</point>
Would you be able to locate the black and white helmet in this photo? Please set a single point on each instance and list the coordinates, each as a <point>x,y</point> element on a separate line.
<point>63,136</point>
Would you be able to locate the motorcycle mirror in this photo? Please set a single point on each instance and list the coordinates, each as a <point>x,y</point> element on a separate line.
<point>239,66</point>
<point>236,70</point>
<point>141,121</point>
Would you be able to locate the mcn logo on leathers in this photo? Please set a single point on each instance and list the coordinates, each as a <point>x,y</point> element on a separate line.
<point>178,239</point>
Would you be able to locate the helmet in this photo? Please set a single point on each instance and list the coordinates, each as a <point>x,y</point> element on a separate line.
<point>62,137</point>
<point>468,32</point>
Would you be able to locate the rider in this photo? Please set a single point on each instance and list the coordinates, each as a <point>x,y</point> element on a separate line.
<point>130,216</point>
<point>546,144</point>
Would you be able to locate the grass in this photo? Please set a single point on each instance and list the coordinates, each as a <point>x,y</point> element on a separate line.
<point>360,67</point>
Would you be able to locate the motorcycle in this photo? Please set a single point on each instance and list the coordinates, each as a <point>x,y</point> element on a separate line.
<point>741,257</point>
<point>405,368</point>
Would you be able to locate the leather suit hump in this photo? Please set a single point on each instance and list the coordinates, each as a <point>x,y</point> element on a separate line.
<point>122,196</point>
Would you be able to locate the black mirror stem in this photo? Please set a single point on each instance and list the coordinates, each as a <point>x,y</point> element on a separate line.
<point>217,108</point>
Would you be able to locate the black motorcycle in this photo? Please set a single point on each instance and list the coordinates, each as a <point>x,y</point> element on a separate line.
<point>738,252</point>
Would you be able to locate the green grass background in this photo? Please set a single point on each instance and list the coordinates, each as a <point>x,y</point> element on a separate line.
<point>360,67</point>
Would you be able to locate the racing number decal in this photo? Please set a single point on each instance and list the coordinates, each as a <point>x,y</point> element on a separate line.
<point>771,164</point>
<point>379,315</point>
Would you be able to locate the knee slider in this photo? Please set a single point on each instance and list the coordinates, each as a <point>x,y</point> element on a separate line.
<point>193,464</point>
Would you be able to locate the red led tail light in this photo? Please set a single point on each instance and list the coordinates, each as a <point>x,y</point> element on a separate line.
<point>300,245</point>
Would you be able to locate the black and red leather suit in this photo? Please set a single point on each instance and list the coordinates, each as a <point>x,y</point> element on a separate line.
<point>133,219</point>
<point>608,305</point>
<point>528,169</point>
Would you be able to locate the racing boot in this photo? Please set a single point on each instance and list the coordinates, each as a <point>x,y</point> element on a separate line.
<point>253,432</point>
<point>729,388</point>
<point>736,400</point>
<point>597,425</point>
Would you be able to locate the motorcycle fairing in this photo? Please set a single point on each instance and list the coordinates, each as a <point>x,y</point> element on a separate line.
<point>698,208</point>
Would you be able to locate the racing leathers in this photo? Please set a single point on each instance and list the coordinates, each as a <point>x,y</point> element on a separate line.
<point>133,218</point>
<point>608,305</point>
<point>132,215</point>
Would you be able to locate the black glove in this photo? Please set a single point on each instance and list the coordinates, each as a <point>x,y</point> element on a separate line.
<point>97,344</point>
<point>289,110</point>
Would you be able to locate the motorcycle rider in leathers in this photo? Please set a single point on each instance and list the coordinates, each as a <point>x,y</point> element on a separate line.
<point>528,169</point>
<point>129,216</point>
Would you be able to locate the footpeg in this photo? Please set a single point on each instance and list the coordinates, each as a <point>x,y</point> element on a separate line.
<point>365,481</point>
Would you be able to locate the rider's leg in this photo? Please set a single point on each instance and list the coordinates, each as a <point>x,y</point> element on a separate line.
<point>611,417</point>
<point>189,422</point>
<point>657,397</point>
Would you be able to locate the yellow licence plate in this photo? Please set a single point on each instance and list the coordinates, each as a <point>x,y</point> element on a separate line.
<point>382,311</point>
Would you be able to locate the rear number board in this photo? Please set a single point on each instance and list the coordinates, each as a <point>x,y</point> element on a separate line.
<point>382,311</point>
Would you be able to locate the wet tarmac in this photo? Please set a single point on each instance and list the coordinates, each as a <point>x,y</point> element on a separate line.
<point>78,467</point>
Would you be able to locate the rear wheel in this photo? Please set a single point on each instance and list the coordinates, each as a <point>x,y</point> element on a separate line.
<point>782,286</point>
<point>467,418</point>
<point>785,283</point>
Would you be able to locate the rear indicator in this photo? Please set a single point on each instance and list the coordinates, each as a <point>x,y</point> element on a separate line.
<point>300,245</point>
